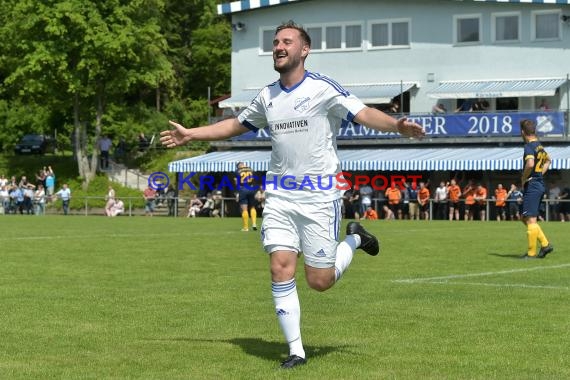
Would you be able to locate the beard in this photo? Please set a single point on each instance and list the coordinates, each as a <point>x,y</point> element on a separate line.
<point>291,64</point>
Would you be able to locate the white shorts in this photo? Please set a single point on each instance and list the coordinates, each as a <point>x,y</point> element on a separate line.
<point>310,228</point>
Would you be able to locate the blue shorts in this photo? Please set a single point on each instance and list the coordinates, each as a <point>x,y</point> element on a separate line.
<point>247,196</point>
<point>532,196</point>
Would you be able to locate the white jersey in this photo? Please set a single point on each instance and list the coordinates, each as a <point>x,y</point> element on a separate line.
<point>303,124</point>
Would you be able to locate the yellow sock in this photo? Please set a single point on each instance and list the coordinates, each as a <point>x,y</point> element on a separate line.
<point>542,237</point>
<point>253,214</point>
<point>532,234</point>
<point>244,218</point>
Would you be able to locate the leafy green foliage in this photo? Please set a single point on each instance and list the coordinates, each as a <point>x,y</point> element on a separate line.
<point>110,67</point>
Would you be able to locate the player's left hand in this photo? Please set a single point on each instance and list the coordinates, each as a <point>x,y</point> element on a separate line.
<point>410,128</point>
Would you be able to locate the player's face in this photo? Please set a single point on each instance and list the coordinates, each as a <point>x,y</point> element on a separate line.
<point>288,51</point>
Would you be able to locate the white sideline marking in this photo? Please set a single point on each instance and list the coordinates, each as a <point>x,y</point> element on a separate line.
<point>483,274</point>
<point>55,237</point>
<point>502,285</point>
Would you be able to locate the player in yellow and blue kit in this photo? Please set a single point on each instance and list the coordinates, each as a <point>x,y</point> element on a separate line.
<point>536,162</point>
<point>246,196</point>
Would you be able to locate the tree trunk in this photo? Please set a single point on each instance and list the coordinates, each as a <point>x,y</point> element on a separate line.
<point>87,169</point>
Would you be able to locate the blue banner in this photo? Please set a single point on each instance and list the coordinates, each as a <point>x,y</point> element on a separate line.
<point>503,124</point>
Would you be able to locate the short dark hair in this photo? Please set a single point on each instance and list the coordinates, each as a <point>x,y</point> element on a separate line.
<point>528,127</point>
<point>292,25</point>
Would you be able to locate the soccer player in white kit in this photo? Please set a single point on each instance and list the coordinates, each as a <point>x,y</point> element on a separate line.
<point>303,111</point>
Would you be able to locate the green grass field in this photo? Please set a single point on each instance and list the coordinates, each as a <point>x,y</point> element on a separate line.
<point>162,298</point>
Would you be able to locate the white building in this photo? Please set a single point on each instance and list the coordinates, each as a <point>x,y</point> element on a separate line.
<point>507,55</point>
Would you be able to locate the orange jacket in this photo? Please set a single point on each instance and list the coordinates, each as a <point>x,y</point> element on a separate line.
<point>454,192</point>
<point>394,195</point>
<point>423,195</point>
<point>371,214</point>
<point>501,197</point>
<point>482,195</point>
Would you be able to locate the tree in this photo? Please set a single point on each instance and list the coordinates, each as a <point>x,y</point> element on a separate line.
<point>84,55</point>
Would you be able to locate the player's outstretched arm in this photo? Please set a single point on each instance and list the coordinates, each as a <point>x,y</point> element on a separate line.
<point>376,119</point>
<point>221,130</point>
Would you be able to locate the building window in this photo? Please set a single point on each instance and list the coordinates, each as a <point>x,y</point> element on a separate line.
<point>506,27</point>
<point>267,36</point>
<point>467,29</point>
<point>335,36</point>
<point>353,36</point>
<point>316,35</point>
<point>389,33</point>
<point>546,25</point>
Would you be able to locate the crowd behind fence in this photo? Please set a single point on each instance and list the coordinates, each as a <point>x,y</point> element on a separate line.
<point>551,209</point>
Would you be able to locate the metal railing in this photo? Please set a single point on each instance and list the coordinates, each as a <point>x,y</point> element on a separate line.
<point>135,206</point>
<point>489,207</point>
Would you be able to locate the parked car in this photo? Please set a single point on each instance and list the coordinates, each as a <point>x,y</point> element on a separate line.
<point>35,144</point>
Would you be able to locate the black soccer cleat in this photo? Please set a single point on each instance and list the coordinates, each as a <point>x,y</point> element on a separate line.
<point>293,361</point>
<point>368,242</point>
<point>545,251</point>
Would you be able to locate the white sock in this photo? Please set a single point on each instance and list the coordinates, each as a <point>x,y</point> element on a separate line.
<point>288,312</point>
<point>344,253</point>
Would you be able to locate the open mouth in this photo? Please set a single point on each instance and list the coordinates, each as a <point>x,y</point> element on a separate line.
<point>280,56</point>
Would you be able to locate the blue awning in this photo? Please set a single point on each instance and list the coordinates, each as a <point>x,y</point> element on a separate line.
<point>369,93</point>
<point>496,88</point>
<point>384,159</point>
<point>246,5</point>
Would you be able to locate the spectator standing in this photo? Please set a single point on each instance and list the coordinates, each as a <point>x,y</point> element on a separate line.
<point>405,204</point>
<point>149,195</point>
<point>514,202</point>
<point>440,198</point>
<point>65,195</point>
<point>394,196</point>
<point>366,193</point>
<point>565,204</point>
<point>29,198</point>
<point>469,196</point>
<point>171,200</point>
<point>413,197</point>
<point>480,198</point>
<point>40,200</point>
<point>50,183</point>
<point>17,200</point>
<point>355,201</point>
<point>553,203</point>
<point>423,201</point>
<point>454,193</point>
<point>4,200</point>
<point>104,144</point>
<point>500,202</point>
